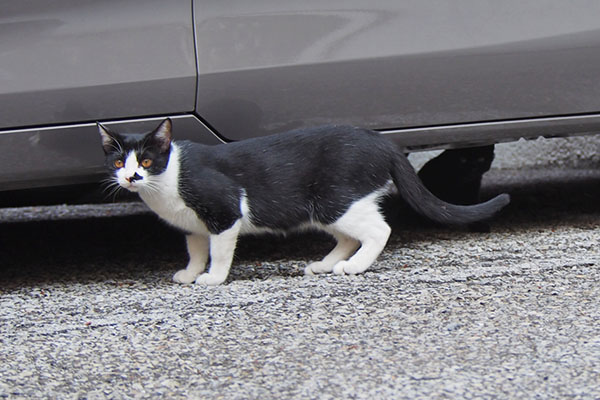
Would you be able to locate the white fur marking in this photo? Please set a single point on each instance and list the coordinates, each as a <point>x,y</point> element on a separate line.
<point>161,194</point>
<point>130,168</point>
<point>363,221</point>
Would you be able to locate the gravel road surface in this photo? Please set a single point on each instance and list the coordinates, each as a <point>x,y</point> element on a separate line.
<point>88,310</point>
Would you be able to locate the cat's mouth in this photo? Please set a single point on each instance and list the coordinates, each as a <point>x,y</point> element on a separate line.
<point>131,186</point>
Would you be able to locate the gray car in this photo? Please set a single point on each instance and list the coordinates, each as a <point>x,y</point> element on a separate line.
<point>429,73</point>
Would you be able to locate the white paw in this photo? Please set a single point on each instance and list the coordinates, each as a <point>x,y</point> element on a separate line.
<point>317,267</point>
<point>347,267</point>
<point>184,276</point>
<point>210,279</point>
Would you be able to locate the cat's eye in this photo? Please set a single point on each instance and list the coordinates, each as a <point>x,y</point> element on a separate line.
<point>146,162</point>
<point>118,164</point>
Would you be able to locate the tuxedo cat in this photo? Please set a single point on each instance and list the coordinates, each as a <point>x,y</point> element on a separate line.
<point>455,176</point>
<point>329,178</point>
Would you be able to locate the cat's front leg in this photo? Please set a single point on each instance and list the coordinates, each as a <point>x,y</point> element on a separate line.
<point>198,248</point>
<point>222,247</point>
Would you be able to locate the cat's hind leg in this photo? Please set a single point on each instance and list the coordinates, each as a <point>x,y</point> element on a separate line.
<point>198,247</point>
<point>345,247</point>
<point>363,221</point>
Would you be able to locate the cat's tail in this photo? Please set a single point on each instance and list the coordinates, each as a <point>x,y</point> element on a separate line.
<point>425,203</point>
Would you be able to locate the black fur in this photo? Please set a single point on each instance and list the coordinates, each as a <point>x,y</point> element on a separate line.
<point>290,179</point>
<point>455,175</point>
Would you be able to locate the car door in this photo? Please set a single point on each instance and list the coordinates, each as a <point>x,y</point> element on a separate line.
<point>408,66</point>
<point>85,60</point>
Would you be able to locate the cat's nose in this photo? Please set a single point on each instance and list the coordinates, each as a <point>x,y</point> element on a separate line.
<point>135,177</point>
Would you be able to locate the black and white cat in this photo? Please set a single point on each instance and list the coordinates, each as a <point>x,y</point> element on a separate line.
<point>329,178</point>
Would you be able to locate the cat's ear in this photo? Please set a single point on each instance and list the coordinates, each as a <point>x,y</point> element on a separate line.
<point>109,139</point>
<point>161,136</point>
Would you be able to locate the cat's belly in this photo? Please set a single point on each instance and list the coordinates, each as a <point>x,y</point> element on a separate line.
<point>173,210</point>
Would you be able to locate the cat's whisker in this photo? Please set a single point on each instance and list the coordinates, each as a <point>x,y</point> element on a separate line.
<point>113,193</point>
<point>108,189</point>
<point>111,189</point>
<point>108,182</point>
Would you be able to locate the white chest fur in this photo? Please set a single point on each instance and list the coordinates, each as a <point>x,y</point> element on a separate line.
<point>164,198</point>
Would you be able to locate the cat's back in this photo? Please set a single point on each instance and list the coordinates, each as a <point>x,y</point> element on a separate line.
<point>285,164</point>
<point>332,139</point>
<point>320,144</point>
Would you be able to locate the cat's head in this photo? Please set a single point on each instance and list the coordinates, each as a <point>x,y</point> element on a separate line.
<point>133,160</point>
<point>474,160</point>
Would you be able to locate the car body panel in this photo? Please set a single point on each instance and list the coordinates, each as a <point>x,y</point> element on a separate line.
<point>73,153</point>
<point>484,133</point>
<point>265,67</point>
<point>85,60</point>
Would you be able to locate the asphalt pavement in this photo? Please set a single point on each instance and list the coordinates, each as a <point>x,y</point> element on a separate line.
<point>88,309</point>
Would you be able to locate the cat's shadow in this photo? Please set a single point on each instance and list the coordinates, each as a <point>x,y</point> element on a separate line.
<point>134,248</point>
